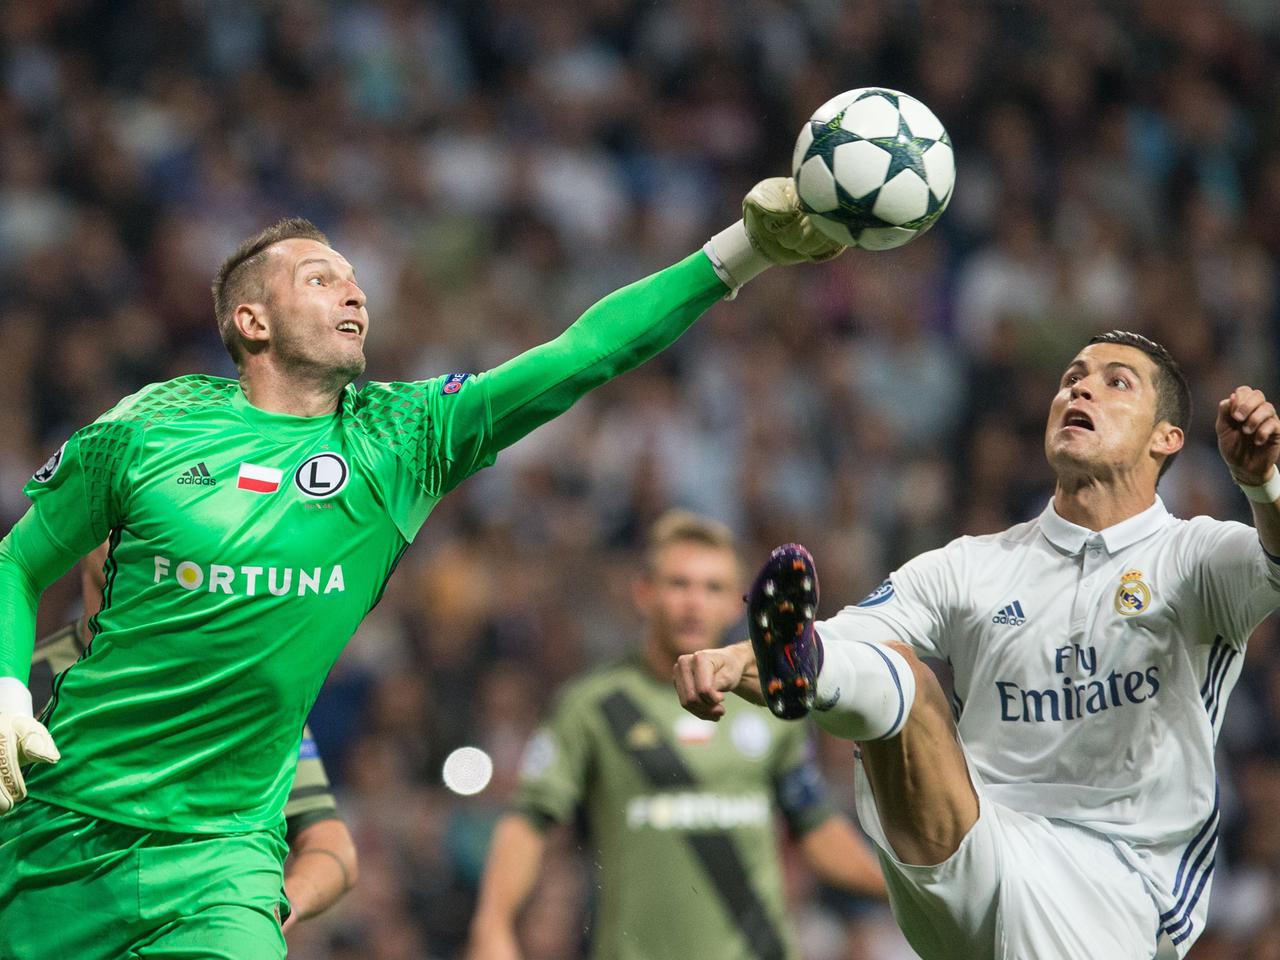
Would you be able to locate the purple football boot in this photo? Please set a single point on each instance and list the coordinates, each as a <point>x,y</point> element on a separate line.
<point>781,606</point>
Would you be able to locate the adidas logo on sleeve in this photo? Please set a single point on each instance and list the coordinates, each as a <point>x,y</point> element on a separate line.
<point>197,476</point>
<point>1011,615</point>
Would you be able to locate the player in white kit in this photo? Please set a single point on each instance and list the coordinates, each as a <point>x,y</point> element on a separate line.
<point>1065,805</point>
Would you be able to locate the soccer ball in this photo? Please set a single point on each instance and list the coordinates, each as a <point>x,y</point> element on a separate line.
<point>873,168</point>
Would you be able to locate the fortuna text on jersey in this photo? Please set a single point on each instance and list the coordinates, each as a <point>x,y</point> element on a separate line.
<point>695,810</point>
<point>249,580</point>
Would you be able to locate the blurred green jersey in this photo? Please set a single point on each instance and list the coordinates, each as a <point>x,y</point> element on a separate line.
<point>681,814</point>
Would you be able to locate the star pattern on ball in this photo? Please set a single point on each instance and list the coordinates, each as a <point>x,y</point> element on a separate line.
<point>906,151</point>
<point>855,212</point>
<point>826,183</point>
<point>878,92</point>
<point>827,136</point>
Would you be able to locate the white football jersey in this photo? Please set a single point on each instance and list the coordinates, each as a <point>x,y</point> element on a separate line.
<point>1092,670</point>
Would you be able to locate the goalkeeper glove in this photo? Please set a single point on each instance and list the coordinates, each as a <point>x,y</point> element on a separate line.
<point>23,740</point>
<point>773,230</point>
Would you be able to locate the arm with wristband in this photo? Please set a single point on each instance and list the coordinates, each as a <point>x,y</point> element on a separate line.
<point>1249,441</point>
<point>624,329</point>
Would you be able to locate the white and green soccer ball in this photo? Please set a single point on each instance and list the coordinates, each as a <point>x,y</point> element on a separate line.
<point>874,168</point>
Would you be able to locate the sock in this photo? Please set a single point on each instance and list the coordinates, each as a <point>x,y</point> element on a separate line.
<point>864,690</point>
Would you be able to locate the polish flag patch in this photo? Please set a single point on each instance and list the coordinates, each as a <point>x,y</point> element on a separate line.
<point>693,730</point>
<point>259,479</point>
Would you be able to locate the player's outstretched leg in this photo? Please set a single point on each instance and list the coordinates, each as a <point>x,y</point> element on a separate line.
<point>859,691</point>
<point>878,694</point>
<point>781,605</point>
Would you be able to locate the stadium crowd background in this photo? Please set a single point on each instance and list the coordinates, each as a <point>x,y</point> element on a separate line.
<point>491,167</point>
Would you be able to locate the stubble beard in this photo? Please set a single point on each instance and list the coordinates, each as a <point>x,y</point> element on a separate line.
<point>331,370</point>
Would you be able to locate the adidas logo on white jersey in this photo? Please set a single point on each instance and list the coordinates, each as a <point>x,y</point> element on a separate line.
<point>1011,615</point>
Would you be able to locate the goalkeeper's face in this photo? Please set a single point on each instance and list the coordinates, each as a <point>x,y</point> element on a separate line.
<point>689,597</point>
<point>315,310</point>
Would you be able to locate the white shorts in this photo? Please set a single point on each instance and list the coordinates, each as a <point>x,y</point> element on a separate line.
<point>1019,887</point>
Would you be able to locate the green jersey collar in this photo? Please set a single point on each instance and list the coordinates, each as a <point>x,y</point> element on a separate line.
<point>284,426</point>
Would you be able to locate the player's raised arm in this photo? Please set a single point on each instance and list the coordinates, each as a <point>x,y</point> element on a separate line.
<point>1249,441</point>
<point>626,328</point>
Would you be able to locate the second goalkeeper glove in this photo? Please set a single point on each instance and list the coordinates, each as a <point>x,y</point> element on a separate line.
<point>773,230</point>
<point>23,740</point>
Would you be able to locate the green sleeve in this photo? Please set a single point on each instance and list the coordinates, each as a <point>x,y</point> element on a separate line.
<point>615,335</point>
<point>31,558</point>
<point>557,764</point>
<point>445,429</point>
<point>76,500</point>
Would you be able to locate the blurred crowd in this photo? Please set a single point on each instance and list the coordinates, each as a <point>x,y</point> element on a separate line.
<point>491,167</point>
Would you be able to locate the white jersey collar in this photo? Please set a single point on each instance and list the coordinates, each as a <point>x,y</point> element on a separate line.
<point>1072,538</point>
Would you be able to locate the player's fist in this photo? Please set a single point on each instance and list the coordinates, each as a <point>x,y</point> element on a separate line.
<point>1248,435</point>
<point>779,229</point>
<point>23,740</point>
<point>703,678</point>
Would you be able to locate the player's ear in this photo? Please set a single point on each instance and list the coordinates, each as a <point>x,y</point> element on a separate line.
<point>1167,439</point>
<point>253,322</point>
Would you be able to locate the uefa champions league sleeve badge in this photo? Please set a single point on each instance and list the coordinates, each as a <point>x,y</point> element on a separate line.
<point>46,472</point>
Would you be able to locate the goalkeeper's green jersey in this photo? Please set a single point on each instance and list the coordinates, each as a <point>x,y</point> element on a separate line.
<point>310,799</point>
<point>245,548</point>
<point>681,814</point>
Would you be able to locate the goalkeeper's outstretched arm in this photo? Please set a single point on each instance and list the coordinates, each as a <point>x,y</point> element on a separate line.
<point>633,324</point>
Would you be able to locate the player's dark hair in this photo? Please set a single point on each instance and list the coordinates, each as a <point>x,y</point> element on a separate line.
<point>1173,395</point>
<point>240,278</point>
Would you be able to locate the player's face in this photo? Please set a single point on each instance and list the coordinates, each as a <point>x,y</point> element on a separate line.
<point>1102,422</point>
<point>690,597</point>
<point>315,309</point>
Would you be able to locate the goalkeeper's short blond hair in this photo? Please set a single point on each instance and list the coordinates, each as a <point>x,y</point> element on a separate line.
<point>681,526</point>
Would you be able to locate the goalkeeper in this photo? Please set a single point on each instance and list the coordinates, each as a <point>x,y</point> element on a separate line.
<point>252,524</point>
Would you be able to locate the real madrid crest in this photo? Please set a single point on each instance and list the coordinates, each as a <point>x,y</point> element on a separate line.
<point>1133,596</point>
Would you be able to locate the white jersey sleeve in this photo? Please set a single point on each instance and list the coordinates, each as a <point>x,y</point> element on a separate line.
<point>1231,576</point>
<point>912,606</point>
